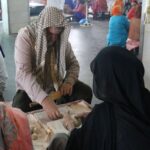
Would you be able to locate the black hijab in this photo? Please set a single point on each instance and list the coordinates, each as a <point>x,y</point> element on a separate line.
<point>122,122</point>
<point>118,79</point>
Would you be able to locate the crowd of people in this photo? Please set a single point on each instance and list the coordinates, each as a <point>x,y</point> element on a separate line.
<point>46,64</point>
<point>124,30</point>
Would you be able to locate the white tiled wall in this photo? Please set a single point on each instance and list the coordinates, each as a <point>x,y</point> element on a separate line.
<point>56,3</point>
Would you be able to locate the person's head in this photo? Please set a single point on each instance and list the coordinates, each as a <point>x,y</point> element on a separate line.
<point>49,25</point>
<point>118,77</point>
<point>116,10</point>
<point>134,3</point>
<point>138,11</point>
<point>54,32</point>
<point>52,22</point>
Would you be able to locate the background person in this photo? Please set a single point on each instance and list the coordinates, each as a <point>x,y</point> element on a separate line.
<point>132,10</point>
<point>133,40</point>
<point>99,7</point>
<point>79,11</point>
<point>118,28</point>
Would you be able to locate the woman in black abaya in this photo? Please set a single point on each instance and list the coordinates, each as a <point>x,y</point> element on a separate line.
<point>122,121</point>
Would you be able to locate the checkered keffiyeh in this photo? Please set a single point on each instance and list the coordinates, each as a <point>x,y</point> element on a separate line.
<point>49,17</point>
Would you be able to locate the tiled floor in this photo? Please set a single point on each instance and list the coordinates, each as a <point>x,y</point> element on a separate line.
<point>86,43</point>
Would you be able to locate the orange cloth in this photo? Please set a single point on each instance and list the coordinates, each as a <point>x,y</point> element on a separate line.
<point>119,2</point>
<point>116,10</point>
<point>15,132</point>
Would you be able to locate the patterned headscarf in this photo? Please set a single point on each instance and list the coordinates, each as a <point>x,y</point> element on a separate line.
<point>14,129</point>
<point>49,17</point>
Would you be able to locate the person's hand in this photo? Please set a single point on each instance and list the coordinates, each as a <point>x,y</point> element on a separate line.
<point>68,122</point>
<point>66,89</point>
<point>51,109</point>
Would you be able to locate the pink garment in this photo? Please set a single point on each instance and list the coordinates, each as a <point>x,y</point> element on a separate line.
<point>99,6</point>
<point>131,13</point>
<point>25,80</point>
<point>81,8</point>
<point>131,44</point>
<point>14,129</point>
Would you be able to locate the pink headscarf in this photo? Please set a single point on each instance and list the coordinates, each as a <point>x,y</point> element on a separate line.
<point>14,129</point>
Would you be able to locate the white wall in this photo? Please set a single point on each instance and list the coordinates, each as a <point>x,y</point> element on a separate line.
<point>56,3</point>
<point>146,48</point>
<point>146,55</point>
<point>16,15</point>
<point>5,16</point>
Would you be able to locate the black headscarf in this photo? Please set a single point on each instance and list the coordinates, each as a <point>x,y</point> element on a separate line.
<point>122,122</point>
<point>118,79</point>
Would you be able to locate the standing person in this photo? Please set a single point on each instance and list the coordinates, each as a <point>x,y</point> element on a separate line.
<point>118,28</point>
<point>122,121</point>
<point>45,63</point>
<point>118,3</point>
<point>3,74</point>
<point>133,40</point>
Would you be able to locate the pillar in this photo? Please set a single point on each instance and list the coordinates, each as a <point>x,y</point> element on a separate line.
<point>15,14</point>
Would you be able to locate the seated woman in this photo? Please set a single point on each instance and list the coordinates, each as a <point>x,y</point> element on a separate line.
<point>118,28</point>
<point>69,6</point>
<point>79,11</point>
<point>122,121</point>
<point>133,40</point>
<point>99,7</point>
<point>14,129</point>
